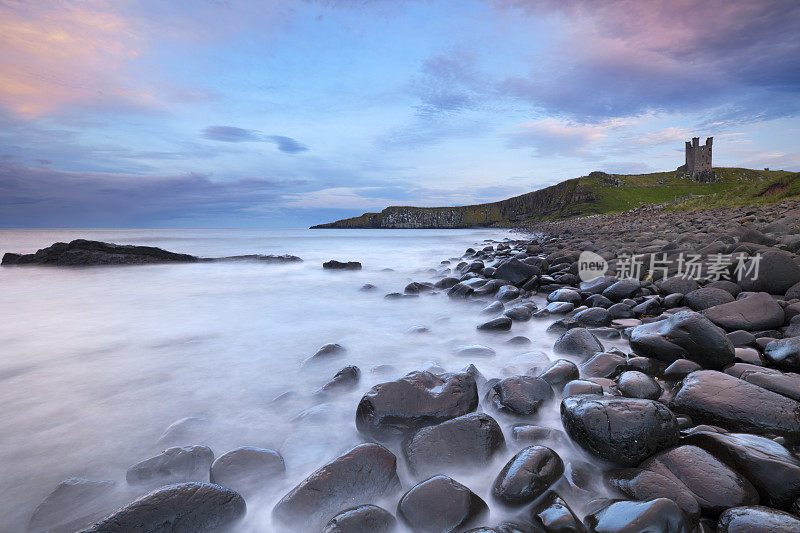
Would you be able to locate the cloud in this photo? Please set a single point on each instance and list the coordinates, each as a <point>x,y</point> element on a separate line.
<point>230,134</point>
<point>554,137</point>
<point>287,144</point>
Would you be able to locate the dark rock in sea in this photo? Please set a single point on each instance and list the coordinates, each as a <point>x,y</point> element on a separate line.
<point>519,395</point>
<point>502,323</point>
<point>327,351</point>
<point>440,504</point>
<point>519,340</point>
<point>81,252</point>
<point>777,271</point>
<point>646,365</point>
<point>714,485</point>
<point>770,467</point>
<point>580,386</point>
<point>620,310</point>
<point>195,507</point>
<point>247,469</point>
<point>757,519</point>
<point>715,398</point>
<point>530,434</point>
<point>662,515</point>
<point>74,504</point>
<point>621,430</point>
<point>565,295</point>
<point>254,257</point>
<point>680,369</point>
<point>360,476</point>
<point>527,475</point>
<point>598,300</point>
<point>603,365</point>
<point>552,514</point>
<point>333,264</point>
<point>362,519</point>
<point>784,353</point>
<point>578,342</point>
<point>555,308</point>
<point>519,313</point>
<point>173,465</point>
<point>516,272</point>
<point>594,316</point>
<point>625,288</point>
<point>184,431</point>
<point>644,485</point>
<point>648,308</point>
<point>560,372</point>
<point>684,335</point>
<point>368,287</point>
<point>701,299</point>
<point>398,408</point>
<point>467,441</point>
<point>507,292</point>
<point>346,378</point>
<point>494,308</point>
<point>634,384</point>
<point>446,283</point>
<point>753,312</point>
<point>597,285</point>
<point>474,350</point>
<point>726,285</point>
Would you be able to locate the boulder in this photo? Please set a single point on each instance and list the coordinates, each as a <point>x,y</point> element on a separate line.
<point>81,252</point>
<point>603,365</point>
<point>502,323</point>
<point>754,312</point>
<point>362,519</point>
<point>346,378</point>
<point>474,350</point>
<point>684,335</point>
<point>594,316</point>
<point>565,295</point>
<point>247,469</point>
<point>519,395</point>
<point>440,504</point>
<point>777,272</point>
<point>784,353</point>
<point>677,285</point>
<point>516,272</point>
<point>662,515</point>
<point>620,430</point>
<point>624,288</point>
<point>74,504</point>
<point>635,384</point>
<point>578,342</point>
<point>643,485</point>
<point>333,264</point>
<point>527,475</point>
<point>185,507</point>
<point>715,398</point>
<point>706,297</point>
<point>173,465</point>
<point>552,514</point>
<point>184,431</point>
<point>466,441</point>
<point>757,519</point>
<point>399,408</point>
<point>560,372</point>
<point>360,476</point>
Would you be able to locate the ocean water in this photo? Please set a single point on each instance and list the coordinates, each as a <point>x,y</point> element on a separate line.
<point>96,362</point>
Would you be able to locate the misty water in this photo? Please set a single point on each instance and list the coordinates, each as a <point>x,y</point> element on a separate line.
<point>96,362</point>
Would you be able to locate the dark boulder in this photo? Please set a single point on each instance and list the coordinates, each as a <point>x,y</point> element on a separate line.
<point>247,469</point>
<point>553,515</point>
<point>560,372</point>
<point>173,465</point>
<point>362,519</point>
<point>506,292</point>
<point>714,485</point>
<point>603,365</point>
<point>621,430</point>
<point>715,398</point>
<point>634,384</point>
<point>398,408</point>
<point>516,272</point>
<point>754,312</point>
<point>594,316</point>
<point>439,505</point>
<point>677,285</point>
<point>680,369</point>
<point>625,288</point>
<point>186,507</point>
<point>360,476</point>
<point>81,252</point>
<point>578,342</point>
<point>757,519</point>
<point>466,441</point>
<point>327,351</point>
<point>784,353</point>
<point>580,386</point>
<point>527,475</point>
<point>502,323</point>
<point>346,378</point>
<point>565,295</point>
<point>661,515</point>
<point>706,297</point>
<point>644,485</point>
<point>777,271</point>
<point>519,395</point>
<point>684,335</point>
<point>333,264</point>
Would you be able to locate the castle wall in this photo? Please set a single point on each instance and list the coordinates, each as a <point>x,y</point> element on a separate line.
<point>698,158</point>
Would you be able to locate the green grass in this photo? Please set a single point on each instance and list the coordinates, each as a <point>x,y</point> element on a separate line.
<point>770,190</point>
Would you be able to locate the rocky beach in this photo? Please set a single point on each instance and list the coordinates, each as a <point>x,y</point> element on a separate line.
<point>668,402</point>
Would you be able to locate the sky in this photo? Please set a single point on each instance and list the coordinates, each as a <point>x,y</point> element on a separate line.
<point>228,113</point>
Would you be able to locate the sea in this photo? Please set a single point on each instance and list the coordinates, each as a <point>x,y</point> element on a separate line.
<point>96,362</point>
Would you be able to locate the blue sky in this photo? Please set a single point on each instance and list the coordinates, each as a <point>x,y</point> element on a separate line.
<point>255,114</point>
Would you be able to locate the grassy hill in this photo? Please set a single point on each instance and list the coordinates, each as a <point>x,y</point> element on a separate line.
<point>597,193</point>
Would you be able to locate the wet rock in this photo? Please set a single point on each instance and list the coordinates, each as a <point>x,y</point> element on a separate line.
<point>625,288</point>
<point>648,308</point>
<point>173,465</point>
<point>507,292</point>
<point>474,350</point>
<point>644,485</point>
<point>594,316</point>
<point>579,386</point>
<point>757,519</point>
<point>184,431</point>
<point>677,284</point>
<point>597,285</point>
<point>516,272</point>
<point>530,434</point>
<point>417,330</point>
<point>552,514</point>
<point>784,353</point>
<point>446,283</point>
<point>647,365</point>
<point>603,365</point>
<point>519,340</point>
<point>519,313</point>
<point>81,252</point>
<point>726,285</point>
<point>770,467</point>
<point>362,519</point>
<point>333,264</point>
<point>786,384</point>
<point>466,441</point>
<point>74,504</point>
<point>560,372</point>
<point>247,469</point>
<point>368,287</point>
<point>634,384</point>
<point>578,342</point>
<point>598,300</point>
<point>527,475</point>
<point>706,297</point>
<point>680,369</point>
<point>660,515</point>
<point>621,430</point>
<point>685,335</point>
<point>711,397</point>
<point>555,308</point>
<point>397,408</point>
<point>565,295</point>
<point>619,311</point>
<point>440,504</point>
<point>755,312</point>
<point>741,337</point>
<point>328,350</point>
<point>519,395</point>
<point>195,507</point>
<point>502,323</point>
<point>713,484</point>
<point>346,378</point>
<point>493,308</point>
<point>364,474</point>
<point>776,273</point>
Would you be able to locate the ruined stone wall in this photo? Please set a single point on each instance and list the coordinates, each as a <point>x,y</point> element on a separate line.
<point>698,158</point>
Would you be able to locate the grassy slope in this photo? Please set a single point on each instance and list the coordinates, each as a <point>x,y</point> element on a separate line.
<point>774,188</point>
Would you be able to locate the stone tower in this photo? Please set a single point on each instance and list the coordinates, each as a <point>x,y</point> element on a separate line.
<point>698,159</point>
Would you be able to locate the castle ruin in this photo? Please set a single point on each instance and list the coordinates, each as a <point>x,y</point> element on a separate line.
<point>698,160</point>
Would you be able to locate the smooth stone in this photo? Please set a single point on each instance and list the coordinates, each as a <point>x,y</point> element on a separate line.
<point>565,295</point>
<point>598,300</point>
<point>594,316</point>
<point>493,308</point>
<point>603,365</point>
<point>333,264</point>
<point>527,475</point>
<point>185,507</point>
<point>173,465</point>
<point>620,430</point>
<point>74,504</point>
<point>579,386</point>
<point>741,337</point>
<point>677,284</point>
<point>634,384</point>
<point>647,365</point>
<point>530,434</point>
<point>519,395</point>
<point>346,378</point>
<point>644,485</point>
<point>784,353</point>
<point>247,469</point>
<point>714,485</point>
<point>474,350</point>
<point>706,297</point>
<point>560,372</point>
<point>507,292</point>
<point>620,311</point>
<point>625,322</point>
<point>502,323</point>
<point>748,355</point>
<point>577,342</point>
<point>625,288</point>
<point>439,505</point>
<point>680,369</point>
<point>755,312</point>
<point>597,285</point>
<point>726,285</point>
<point>362,519</point>
<point>468,441</point>
<point>552,514</point>
<point>786,384</point>
<point>757,519</point>
<point>715,398</point>
<point>516,272</point>
<point>556,308</point>
<point>685,335</point>
<point>660,515</point>
<point>329,350</point>
<point>360,476</point>
<point>777,272</point>
<point>519,313</point>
